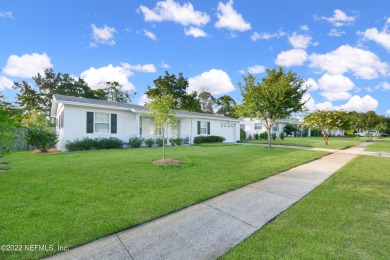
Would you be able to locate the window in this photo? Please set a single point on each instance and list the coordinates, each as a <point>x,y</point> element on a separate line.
<point>60,120</point>
<point>148,127</point>
<point>258,126</point>
<point>203,128</point>
<point>275,128</point>
<point>102,123</point>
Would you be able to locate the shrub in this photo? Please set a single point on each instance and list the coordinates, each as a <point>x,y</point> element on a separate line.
<point>256,136</point>
<point>282,135</point>
<point>159,141</point>
<point>150,142</point>
<point>242,135</point>
<point>92,144</point>
<point>135,141</point>
<point>250,137</point>
<point>208,139</point>
<point>265,135</point>
<point>176,141</point>
<point>41,138</point>
<point>273,135</point>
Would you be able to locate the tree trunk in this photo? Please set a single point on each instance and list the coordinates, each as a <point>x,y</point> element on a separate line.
<point>326,135</point>
<point>163,140</point>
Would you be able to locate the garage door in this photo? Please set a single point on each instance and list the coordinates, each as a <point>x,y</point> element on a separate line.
<point>228,131</point>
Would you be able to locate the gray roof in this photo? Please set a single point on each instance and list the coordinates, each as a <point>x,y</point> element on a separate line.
<point>131,107</point>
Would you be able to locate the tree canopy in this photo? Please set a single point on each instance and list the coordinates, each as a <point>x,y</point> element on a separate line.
<point>227,106</point>
<point>177,87</point>
<point>277,96</point>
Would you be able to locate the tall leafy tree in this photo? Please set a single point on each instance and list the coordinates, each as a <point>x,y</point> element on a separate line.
<point>114,92</point>
<point>277,96</point>
<point>207,101</point>
<point>7,136</point>
<point>28,98</point>
<point>177,87</point>
<point>327,121</point>
<point>227,106</point>
<point>160,107</point>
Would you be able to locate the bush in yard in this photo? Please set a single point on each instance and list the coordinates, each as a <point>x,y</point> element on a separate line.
<point>176,141</point>
<point>256,136</point>
<point>282,135</point>
<point>159,141</point>
<point>250,137</point>
<point>87,143</point>
<point>136,142</point>
<point>208,139</point>
<point>265,135</point>
<point>149,142</point>
<point>273,135</point>
<point>242,135</point>
<point>41,138</point>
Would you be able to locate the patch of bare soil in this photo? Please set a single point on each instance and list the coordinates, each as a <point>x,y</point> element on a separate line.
<point>51,150</point>
<point>167,161</point>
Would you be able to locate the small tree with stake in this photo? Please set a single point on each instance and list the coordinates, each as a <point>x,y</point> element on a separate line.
<point>160,107</point>
<point>277,96</point>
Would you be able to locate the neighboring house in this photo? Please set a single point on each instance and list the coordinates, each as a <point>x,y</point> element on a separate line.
<point>83,117</point>
<point>255,126</point>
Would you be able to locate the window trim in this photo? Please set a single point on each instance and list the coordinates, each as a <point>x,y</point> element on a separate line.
<point>96,122</point>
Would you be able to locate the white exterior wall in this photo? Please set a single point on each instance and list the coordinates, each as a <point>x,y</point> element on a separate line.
<point>250,126</point>
<point>75,124</point>
<point>60,131</point>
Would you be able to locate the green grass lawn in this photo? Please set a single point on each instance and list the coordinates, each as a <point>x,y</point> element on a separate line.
<point>381,146</point>
<point>347,217</point>
<point>69,199</point>
<point>334,142</point>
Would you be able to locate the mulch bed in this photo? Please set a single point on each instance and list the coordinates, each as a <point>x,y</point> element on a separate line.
<point>51,150</point>
<point>167,161</point>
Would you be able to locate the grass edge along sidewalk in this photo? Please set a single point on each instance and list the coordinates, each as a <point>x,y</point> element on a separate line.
<point>346,217</point>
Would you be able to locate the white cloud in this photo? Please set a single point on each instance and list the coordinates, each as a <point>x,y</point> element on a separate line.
<point>150,35</point>
<point>7,14</point>
<point>388,112</point>
<point>266,36</point>
<point>325,106</point>
<point>229,18</point>
<point>195,32</point>
<point>5,83</point>
<point>143,99</point>
<point>294,57</point>
<point>312,84</point>
<point>172,11</point>
<point>362,63</point>
<point>336,33</point>
<point>335,83</point>
<point>310,104</point>
<point>384,85</point>
<point>214,81</point>
<point>380,37</point>
<point>150,68</point>
<point>103,35</point>
<point>305,28</point>
<point>96,78</point>
<point>164,65</point>
<point>356,103</point>
<point>299,41</point>
<point>27,65</point>
<point>339,18</point>
<point>334,96</point>
<point>255,69</point>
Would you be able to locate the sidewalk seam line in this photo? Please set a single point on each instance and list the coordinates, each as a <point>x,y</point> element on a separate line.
<point>128,252</point>
<point>229,215</point>
<point>274,192</point>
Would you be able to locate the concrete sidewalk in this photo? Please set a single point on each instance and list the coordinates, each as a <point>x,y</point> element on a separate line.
<point>209,229</point>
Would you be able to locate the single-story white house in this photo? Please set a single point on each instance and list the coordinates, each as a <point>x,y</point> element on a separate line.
<point>255,126</point>
<point>83,117</point>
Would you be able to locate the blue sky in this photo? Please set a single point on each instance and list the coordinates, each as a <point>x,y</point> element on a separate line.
<point>342,48</point>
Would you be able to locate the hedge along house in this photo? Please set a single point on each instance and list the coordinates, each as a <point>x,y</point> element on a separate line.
<point>83,117</point>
